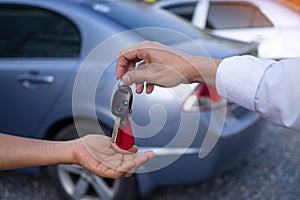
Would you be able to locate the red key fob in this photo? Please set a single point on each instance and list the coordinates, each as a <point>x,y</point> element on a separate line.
<point>125,139</point>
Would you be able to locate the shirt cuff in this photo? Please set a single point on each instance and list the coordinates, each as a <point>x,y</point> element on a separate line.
<point>238,78</point>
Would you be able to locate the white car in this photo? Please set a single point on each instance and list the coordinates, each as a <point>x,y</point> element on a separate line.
<point>273,25</point>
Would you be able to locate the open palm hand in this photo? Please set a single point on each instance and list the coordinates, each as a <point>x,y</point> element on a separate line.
<point>97,154</point>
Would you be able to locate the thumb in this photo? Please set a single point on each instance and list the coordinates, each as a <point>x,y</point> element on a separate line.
<point>135,76</point>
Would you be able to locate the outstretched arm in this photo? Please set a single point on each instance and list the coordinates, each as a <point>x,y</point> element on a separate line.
<point>163,66</point>
<point>265,86</point>
<point>94,152</point>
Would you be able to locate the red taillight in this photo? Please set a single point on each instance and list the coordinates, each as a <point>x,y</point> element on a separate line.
<point>204,91</point>
<point>203,98</point>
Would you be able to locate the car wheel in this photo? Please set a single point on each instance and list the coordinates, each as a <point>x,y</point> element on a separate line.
<point>74,182</point>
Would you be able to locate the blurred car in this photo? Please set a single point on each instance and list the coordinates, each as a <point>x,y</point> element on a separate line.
<point>269,22</point>
<point>42,46</point>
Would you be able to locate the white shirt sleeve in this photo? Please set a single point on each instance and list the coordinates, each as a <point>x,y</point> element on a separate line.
<point>271,88</point>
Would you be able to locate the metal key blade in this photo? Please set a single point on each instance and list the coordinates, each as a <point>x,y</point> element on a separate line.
<point>116,128</point>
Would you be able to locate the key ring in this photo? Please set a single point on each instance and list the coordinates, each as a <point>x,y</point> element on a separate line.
<point>121,83</point>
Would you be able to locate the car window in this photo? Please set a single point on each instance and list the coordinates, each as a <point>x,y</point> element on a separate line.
<point>27,31</point>
<point>184,10</point>
<point>235,15</point>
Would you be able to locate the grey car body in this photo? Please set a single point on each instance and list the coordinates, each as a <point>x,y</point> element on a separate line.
<point>39,60</point>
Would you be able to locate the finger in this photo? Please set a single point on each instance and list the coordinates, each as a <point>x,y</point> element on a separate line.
<point>123,66</point>
<point>144,157</point>
<point>138,76</point>
<point>126,61</point>
<point>114,174</point>
<point>142,66</point>
<point>149,88</point>
<point>132,150</point>
<point>127,175</point>
<point>126,166</point>
<point>141,159</point>
<point>132,55</point>
<point>107,172</point>
<point>139,88</point>
<point>149,154</point>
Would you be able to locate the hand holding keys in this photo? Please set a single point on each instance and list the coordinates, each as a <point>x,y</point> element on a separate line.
<point>121,108</point>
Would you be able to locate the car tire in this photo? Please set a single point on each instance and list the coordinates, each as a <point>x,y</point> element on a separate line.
<point>74,182</point>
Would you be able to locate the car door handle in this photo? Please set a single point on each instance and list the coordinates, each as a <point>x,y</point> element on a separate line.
<point>35,78</point>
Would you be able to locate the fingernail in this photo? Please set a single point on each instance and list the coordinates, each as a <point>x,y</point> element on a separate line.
<point>126,79</point>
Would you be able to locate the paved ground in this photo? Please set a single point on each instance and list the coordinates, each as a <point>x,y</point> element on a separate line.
<point>271,172</point>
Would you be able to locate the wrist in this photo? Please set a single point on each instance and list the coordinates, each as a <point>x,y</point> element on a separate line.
<point>70,149</point>
<point>203,70</point>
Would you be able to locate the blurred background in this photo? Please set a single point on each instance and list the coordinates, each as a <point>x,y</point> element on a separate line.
<point>43,44</point>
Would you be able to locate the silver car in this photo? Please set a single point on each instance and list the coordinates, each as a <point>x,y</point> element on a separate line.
<point>43,48</point>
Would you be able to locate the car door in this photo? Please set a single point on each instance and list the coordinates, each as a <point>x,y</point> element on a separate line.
<point>38,49</point>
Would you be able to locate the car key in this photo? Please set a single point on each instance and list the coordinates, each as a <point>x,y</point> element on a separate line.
<point>122,134</point>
